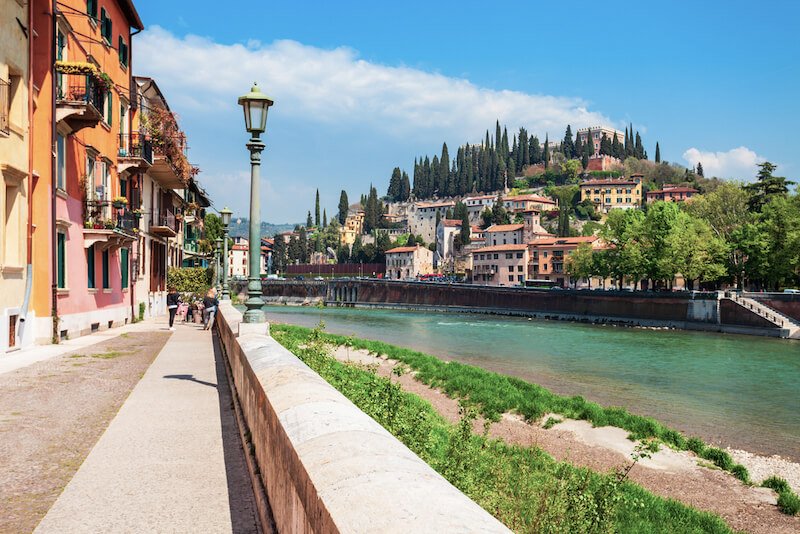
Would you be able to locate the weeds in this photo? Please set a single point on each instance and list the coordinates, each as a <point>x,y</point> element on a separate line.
<point>788,501</point>
<point>522,486</point>
<point>494,394</point>
<point>551,422</point>
<point>110,355</point>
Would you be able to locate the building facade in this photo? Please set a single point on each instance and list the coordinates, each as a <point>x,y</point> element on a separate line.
<point>404,263</point>
<point>500,265</point>
<point>16,315</point>
<point>613,193</point>
<point>671,193</point>
<point>548,256</point>
<point>594,135</point>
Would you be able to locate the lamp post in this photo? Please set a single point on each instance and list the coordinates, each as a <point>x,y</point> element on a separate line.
<point>256,105</point>
<point>217,255</point>
<point>225,214</point>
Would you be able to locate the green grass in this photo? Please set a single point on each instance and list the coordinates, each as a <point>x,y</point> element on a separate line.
<point>551,422</point>
<point>788,501</point>
<point>523,487</point>
<point>109,355</point>
<point>493,394</point>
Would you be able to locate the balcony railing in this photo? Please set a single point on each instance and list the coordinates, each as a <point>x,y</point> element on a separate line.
<point>135,145</point>
<point>127,223</point>
<point>4,105</point>
<point>81,88</point>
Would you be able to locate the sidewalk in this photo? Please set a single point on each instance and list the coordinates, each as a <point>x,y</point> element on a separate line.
<point>12,361</point>
<point>171,460</point>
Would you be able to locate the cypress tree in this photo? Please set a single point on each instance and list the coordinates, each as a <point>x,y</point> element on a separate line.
<point>394,185</point>
<point>700,169</point>
<point>605,146</point>
<point>546,155</point>
<point>309,222</point>
<point>568,146</point>
<point>405,187</point>
<point>316,210</point>
<point>658,153</point>
<point>465,227</point>
<point>535,151</point>
<point>578,146</point>
<point>343,207</point>
<point>324,218</point>
<point>498,136</point>
<point>444,171</point>
<point>504,143</point>
<point>638,148</point>
<point>525,148</point>
<point>434,180</point>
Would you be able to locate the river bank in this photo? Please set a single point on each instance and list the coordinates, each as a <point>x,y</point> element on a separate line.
<point>706,385</point>
<point>669,473</point>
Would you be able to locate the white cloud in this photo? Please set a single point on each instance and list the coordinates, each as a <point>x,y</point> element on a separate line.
<point>330,86</point>
<point>739,163</point>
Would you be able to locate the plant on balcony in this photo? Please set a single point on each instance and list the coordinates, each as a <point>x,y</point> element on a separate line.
<point>88,224</point>
<point>109,224</point>
<point>84,68</point>
<point>169,141</point>
<point>119,202</point>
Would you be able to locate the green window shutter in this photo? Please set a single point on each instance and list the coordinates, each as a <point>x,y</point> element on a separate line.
<point>123,258</point>
<point>120,44</point>
<point>62,254</point>
<point>91,8</point>
<point>103,21</point>
<point>110,107</point>
<point>110,30</point>
<point>106,284</point>
<point>90,267</point>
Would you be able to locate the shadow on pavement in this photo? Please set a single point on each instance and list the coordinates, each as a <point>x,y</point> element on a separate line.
<point>192,379</point>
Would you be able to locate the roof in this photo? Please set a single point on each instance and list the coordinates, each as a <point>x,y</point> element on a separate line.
<point>505,227</point>
<point>502,248</point>
<point>451,222</point>
<point>609,181</point>
<point>400,250</point>
<point>532,198</point>
<point>564,240</point>
<point>673,190</point>
<point>479,197</point>
<point>130,12</point>
<point>439,204</point>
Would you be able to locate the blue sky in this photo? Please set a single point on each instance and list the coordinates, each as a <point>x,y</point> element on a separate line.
<point>362,87</point>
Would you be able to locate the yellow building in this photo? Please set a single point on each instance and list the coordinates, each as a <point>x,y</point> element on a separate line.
<point>353,226</point>
<point>14,174</point>
<point>613,193</point>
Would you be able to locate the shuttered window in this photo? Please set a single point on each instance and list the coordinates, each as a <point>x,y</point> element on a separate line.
<point>91,8</point>
<point>61,259</point>
<point>90,267</point>
<point>106,282</point>
<point>123,267</point>
<point>123,51</point>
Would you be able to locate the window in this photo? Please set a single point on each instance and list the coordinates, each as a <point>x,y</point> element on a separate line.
<point>519,255</point>
<point>109,108</point>
<point>61,161</point>
<point>123,52</point>
<point>519,268</point>
<point>61,258</point>
<point>106,28</point>
<point>545,253</point>
<point>495,256</point>
<point>510,277</point>
<point>511,268</point>
<point>509,255</point>
<point>519,278</point>
<point>91,8</point>
<point>123,260</point>
<point>90,270</point>
<point>106,281</point>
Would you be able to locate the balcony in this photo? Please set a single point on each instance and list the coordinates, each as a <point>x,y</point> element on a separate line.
<point>166,170</point>
<point>79,102</point>
<point>135,152</point>
<point>118,231</point>
<point>164,225</point>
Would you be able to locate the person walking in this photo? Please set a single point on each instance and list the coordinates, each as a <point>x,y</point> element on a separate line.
<point>173,299</point>
<point>210,304</point>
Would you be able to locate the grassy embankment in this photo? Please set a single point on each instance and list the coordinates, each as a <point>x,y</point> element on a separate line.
<point>522,486</point>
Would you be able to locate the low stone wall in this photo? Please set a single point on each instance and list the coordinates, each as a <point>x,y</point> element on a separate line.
<point>327,466</point>
<point>786,303</point>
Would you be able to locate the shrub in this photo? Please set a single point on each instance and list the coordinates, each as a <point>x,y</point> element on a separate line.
<point>696,445</point>
<point>777,483</point>
<point>740,472</point>
<point>789,503</point>
<point>720,458</point>
<point>190,279</point>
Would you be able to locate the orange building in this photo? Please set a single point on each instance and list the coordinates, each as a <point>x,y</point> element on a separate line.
<point>81,79</point>
<point>548,255</point>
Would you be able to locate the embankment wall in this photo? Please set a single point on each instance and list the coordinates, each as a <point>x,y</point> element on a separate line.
<point>326,466</point>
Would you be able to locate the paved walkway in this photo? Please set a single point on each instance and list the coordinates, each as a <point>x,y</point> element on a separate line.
<point>12,361</point>
<point>171,460</point>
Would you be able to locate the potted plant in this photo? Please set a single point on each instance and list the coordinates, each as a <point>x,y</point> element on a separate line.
<point>87,224</point>
<point>98,225</point>
<point>109,224</point>
<point>119,202</point>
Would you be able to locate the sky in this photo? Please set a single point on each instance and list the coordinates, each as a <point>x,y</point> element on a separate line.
<point>362,87</point>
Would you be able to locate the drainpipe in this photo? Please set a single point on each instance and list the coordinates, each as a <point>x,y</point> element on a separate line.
<point>29,228</point>
<point>53,236</point>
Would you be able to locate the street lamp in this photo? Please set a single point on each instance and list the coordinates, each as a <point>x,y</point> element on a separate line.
<point>256,105</point>
<point>217,254</point>
<point>225,214</point>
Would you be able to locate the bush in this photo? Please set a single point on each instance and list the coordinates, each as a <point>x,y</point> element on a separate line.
<point>740,472</point>
<point>788,503</point>
<point>720,458</point>
<point>777,483</point>
<point>696,446</point>
<point>190,279</point>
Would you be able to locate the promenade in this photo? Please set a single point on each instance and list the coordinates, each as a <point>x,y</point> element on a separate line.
<point>171,460</point>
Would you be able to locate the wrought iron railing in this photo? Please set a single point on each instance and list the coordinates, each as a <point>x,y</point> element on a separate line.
<point>127,223</point>
<point>136,145</point>
<point>81,88</point>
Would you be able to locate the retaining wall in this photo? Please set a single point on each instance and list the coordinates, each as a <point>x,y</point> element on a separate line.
<point>327,466</point>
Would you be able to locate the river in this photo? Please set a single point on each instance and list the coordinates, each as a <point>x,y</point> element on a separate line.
<point>737,391</point>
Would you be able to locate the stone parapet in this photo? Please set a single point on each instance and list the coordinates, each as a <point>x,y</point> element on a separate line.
<point>326,465</point>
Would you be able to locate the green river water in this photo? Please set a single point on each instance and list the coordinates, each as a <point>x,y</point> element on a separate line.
<point>738,391</point>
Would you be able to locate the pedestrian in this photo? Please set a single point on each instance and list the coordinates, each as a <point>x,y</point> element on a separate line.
<point>173,299</point>
<point>210,304</point>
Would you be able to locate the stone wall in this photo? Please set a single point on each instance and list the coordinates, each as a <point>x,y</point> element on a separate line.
<point>786,303</point>
<point>327,466</point>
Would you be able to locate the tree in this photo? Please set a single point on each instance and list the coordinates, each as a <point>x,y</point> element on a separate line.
<point>343,207</point>
<point>617,149</point>
<point>395,185</point>
<point>405,187</point>
<point>580,263</point>
<point>465,228</point>
<point>356,250</point>
<point>572,170</point>
<point>568,146</point>
<point>279,254</point>
<point>699,169</point>
<point>302,246</point>
<point>766,186</point>
<point>638,147</point>
<point>316,211</point>
<point>309,223</point>
<point>566,195</point>
<point>546,155</point>
<point>373,211</point>
<point>324,218</point>
<point>213,227</point>
<point>696,253</point>
<point>606,147</point>
<point>535,151</point>
<point>658,153</point>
